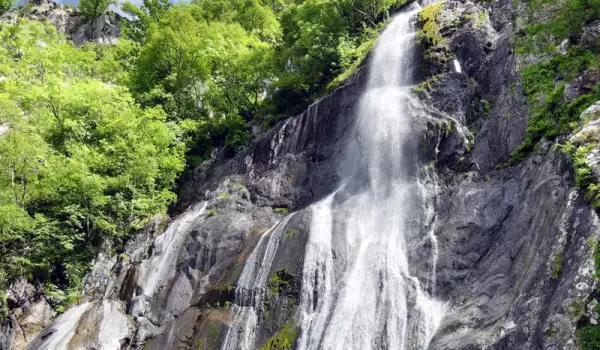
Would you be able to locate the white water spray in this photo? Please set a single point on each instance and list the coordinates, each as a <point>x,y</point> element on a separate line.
<point>358,292</point>
<point>357,287</point>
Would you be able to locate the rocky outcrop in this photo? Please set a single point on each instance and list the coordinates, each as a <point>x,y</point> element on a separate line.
<point>106,29</point>
<point>30,312</point>
<point>91,325</point>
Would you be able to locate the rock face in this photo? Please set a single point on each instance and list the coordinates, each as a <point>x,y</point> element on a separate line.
<point>513,267</point>
<point>105,30</point>
<point>30,313</point>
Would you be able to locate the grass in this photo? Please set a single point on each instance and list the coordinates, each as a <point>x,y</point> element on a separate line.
<point>211,213</point>
<point>282,210</point>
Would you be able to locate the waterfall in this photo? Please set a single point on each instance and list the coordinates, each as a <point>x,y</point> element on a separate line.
<point>358,292</point>
<point>250,288</point>
<point>357,288</point>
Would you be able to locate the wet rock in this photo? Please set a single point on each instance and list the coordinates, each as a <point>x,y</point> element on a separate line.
<point>582,85</point>
<point>91,325</point>
<point>105,29</point>
<point>99,281</point>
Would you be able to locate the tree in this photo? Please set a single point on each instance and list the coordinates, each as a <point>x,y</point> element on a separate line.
<point>92,9</point>
<point>82,164</point>
<point>5,5</point>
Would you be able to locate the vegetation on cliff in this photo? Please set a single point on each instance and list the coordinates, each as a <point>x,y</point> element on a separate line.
<point>95,137</point>
<point>555,55</point>
<point>544,82</point>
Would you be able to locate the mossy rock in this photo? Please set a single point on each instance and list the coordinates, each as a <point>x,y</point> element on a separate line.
<point>284,339</point>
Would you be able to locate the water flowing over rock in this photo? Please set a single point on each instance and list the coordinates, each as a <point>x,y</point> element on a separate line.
<point>358,291</point>
<point>383,217</point>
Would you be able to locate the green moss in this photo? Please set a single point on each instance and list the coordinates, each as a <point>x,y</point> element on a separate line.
<point>479,17</point>
<point>213,334</point>
<point>486,108</point>
<point>430,36</point>
<point>289,233</point>
<point>224,195</point>
<point>282,210</point>
<point>557,263</point>
<point>576,310</point>
<point>426,85</point>
<point>589,337</point>
<point>448,127</point>
<point>211,213</point>
<point>278,279</point>
<point>124,257</point>
<point>284,339</point>
<point>238,187</point>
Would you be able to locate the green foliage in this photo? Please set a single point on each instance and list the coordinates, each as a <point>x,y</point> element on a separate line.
<point>557,263</point>
<point>550,116</point>
<point>594,246</point>
<point>430,35</point>
<point>279,279</point>
<point>98,134</point>
<point>323,43</point>
<point>211,213</point>
<point>543,36</point>
<point>544,82</point>
<point>284,339</point>
<point>81,164</point>
<point>353,58</point>
<point>6,5</point>
<point>589,337</point>
<point>92,9</point>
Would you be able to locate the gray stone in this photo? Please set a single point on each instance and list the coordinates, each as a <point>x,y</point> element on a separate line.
<point>582,85</point>
<point>590,38</point>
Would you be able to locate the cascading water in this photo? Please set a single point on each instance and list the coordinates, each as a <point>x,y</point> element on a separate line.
<point>250,288</point>
<point>357,287</point>
<point>364,297</point>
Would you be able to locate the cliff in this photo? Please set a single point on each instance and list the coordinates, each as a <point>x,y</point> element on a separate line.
<point>512,241</point>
